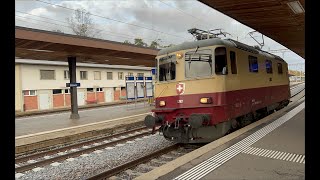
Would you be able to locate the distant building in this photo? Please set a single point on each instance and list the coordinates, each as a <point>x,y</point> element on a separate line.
<point>41,85</point>
<point>297,78</point>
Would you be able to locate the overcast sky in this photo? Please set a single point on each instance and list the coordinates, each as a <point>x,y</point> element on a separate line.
<point>120,20</point>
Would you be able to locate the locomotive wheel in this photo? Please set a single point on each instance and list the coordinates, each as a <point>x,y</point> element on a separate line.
<point>234,124</point>
<point>246,120</point>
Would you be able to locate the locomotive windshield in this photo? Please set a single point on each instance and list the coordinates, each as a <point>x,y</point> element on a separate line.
<point>167,68</point>
<point>198,63</point>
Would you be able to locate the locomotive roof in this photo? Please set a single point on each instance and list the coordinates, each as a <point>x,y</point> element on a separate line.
<point>217,41</point>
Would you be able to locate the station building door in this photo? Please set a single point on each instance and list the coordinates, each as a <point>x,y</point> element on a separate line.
<point>108,95</point>
<point>80,98</point>
<point>44,101</point>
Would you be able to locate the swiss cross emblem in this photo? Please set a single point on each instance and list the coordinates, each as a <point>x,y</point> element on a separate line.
<point>180,87</point>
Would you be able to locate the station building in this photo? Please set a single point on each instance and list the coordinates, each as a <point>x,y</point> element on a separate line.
<point>41,84</point>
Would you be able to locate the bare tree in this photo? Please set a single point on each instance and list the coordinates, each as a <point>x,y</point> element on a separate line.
<point>139,42</point>
<point>170,45</point>
<point>127,42</point>
<point>155,44</point>
<point>81,24</point>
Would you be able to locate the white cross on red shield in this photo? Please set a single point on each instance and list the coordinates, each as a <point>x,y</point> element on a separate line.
<point>180,87</point>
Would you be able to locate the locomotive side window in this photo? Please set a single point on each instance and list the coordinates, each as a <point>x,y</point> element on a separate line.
<point>198,63</point>
<point>233,62</point>
<point>221,61</point>
<point>253,64</point>
<point>280,68</point>
<point>269,66</point>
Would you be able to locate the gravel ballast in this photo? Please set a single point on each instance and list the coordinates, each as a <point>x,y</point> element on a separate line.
<point>83,167</point>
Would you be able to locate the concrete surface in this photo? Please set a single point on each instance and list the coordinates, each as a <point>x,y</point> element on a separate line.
<point>288,138</point>
<point>49,122</point>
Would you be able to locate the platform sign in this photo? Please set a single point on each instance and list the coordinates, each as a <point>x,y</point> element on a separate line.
<point>130,88</point>
<point>148,79</point>
<point>149,86</point>
<point>154,71</point>
<point>140,86</point>
<point>72,84</point>
<point>129,78</point>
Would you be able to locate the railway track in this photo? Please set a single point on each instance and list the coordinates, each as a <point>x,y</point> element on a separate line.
<point>125,171</point>
<point>299,91</point>
<point>25,163</point>
<point>146,163</point>
<point>122,172</point>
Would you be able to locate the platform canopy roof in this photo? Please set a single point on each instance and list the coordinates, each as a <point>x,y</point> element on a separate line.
<point>45,45</point>
<point>280,20</point>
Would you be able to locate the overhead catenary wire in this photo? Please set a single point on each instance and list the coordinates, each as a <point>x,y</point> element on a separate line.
<point>151,29</point>
<point>186,13</point>
<point>56,24</point>
<point>101,30</point>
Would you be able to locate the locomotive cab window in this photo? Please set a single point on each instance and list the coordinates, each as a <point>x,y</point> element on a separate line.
<point>280,68</point>
<point>167,68</point>
<point>221,66</point>
<point>269,66</point>
<point>198,63</point>
<point>253,64</point>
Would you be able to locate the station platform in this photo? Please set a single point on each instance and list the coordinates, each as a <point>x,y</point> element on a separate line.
<point>49,122</point>
<point>88,106</point>
<point>271,148</point>
<point>49,129</point>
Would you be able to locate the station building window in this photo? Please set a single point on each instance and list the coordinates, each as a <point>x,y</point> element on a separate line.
<point>57,91</point>
<point>47,75</point>
<point>130,73</point>
<point>233,62</point>
<point>120,75</point>
<point>109,76</point>
<point>83,75</point>
<point>29,92</point>
<point>280,68</point>
<point>99,90</point>
<point>89,89</point>
<point>269,66</point>
<point>253,64</point>
<point>221,66</point>
<point>97,75</point>
<point>67,91</point>
<point>66,74</point>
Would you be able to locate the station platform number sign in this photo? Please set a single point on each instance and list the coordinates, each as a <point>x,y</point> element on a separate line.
<point>72,84</point>
<point>153,71</point>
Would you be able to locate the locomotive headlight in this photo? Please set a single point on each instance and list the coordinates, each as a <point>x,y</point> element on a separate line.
<point>162,103</point>
<point>179,55</point>
<point>206,100</point>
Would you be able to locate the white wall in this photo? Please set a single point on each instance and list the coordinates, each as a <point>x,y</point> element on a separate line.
<point>18,90</point>
<point>30,77</point>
